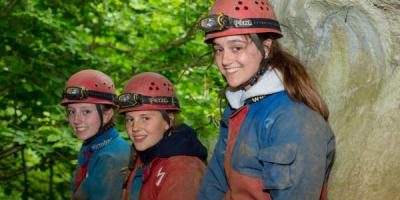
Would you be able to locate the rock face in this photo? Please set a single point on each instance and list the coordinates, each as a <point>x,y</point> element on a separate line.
<point>352,48</point>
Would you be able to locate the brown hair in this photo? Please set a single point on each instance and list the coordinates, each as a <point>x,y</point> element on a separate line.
<point>297,82</point>
<point>111,123</point>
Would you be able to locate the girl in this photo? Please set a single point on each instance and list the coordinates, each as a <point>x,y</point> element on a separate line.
<point>275,141</point>
<point>169,162</point>
<point>88,98</point>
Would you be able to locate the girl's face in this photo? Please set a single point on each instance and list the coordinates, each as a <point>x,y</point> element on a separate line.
<point>145,128</point>
<point>84,119</point>
<point>238,58</point>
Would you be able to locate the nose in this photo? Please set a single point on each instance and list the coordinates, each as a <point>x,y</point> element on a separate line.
<point>226,58</point>
<point>134,126</point>
<point>77,118</point>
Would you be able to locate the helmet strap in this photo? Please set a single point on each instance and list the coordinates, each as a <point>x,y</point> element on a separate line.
<point>262,67</point>
<point>100,112</point>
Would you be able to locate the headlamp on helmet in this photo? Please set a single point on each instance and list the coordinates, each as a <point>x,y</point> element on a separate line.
<point>80,93</point>
<point>129,100</point>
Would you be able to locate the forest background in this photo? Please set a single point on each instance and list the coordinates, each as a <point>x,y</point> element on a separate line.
<point>43,42</point>
<point>351,47</point>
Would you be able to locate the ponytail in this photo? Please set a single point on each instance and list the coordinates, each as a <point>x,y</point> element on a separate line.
<point>296,80</point>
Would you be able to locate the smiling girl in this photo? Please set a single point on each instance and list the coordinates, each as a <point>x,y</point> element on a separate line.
<point>89,100</point>
<point>275,140</point>
<point>170,159</point>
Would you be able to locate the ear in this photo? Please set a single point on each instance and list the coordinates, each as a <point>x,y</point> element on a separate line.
<point>107,115</point>
<point>267,46</point>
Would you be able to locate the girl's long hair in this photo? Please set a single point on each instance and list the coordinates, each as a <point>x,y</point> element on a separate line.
<point>297,82</point>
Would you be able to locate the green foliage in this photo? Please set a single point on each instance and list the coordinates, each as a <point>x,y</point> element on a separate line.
<point>43,42</point>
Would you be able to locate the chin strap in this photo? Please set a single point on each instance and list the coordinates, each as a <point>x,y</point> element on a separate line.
<point>101,128</point>
<point>262,67</point>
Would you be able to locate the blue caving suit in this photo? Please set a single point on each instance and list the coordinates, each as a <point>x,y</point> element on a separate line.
<point>270,147</point>
<point>103,158</point>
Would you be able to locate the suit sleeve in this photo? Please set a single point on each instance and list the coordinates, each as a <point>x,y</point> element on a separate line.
<point>295,156</point>
<point>214,185</point>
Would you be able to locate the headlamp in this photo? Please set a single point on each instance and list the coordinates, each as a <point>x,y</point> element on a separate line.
<point>213,23</point>
<point>75,93</point>
<point>129,100</point>
<point>133,99</point>
<point>80,93</point>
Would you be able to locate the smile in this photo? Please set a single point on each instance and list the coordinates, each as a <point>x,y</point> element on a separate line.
<point>80,129</point>
<point>232,69</point>
<point>139,138</point>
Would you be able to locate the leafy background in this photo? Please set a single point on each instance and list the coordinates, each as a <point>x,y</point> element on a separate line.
<point>43,42</point>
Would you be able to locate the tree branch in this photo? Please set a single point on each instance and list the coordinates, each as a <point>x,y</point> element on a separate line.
<point>197,62</point>
<point>164,47</point>
<point>110,46</point>
<point>188,36</point>
<point>19,172</point>
<point>11,150</point>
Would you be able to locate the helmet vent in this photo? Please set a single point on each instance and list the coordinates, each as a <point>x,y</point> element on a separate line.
<point>150,88</point>
<point>152,83</point>
<point>97,85</point>
<point>241,4</point>
<point>157,88</point>
<point>256,2</point>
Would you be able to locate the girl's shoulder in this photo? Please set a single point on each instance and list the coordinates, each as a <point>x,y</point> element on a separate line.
<point>280,105</point>
<point>118,144</point>
<point>183,163</point>
<point>116,149</point>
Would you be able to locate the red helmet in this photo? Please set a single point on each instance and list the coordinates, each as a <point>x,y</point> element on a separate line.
<point>148,91</point>
<point>237,17</point>
<point>89,86</point>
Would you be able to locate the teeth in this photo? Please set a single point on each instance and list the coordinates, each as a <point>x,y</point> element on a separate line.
<point>80,129</point>
<point>232,70</point>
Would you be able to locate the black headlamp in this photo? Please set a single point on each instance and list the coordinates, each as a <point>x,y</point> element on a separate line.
<point>133,99</point>
<point>221,22</point>
<point>79,93</point>
<point>129,100</point>
<point>75,93</point>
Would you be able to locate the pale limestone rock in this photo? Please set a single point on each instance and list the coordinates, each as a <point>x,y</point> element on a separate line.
<point>352,49</point>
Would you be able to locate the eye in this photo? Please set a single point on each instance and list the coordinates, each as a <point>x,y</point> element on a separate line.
<point>70,112</point>
<point>218,50</point>
<point>237,49</point>
<point>86,112</point>
<point>145,118</point>
<point>128,120</point>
